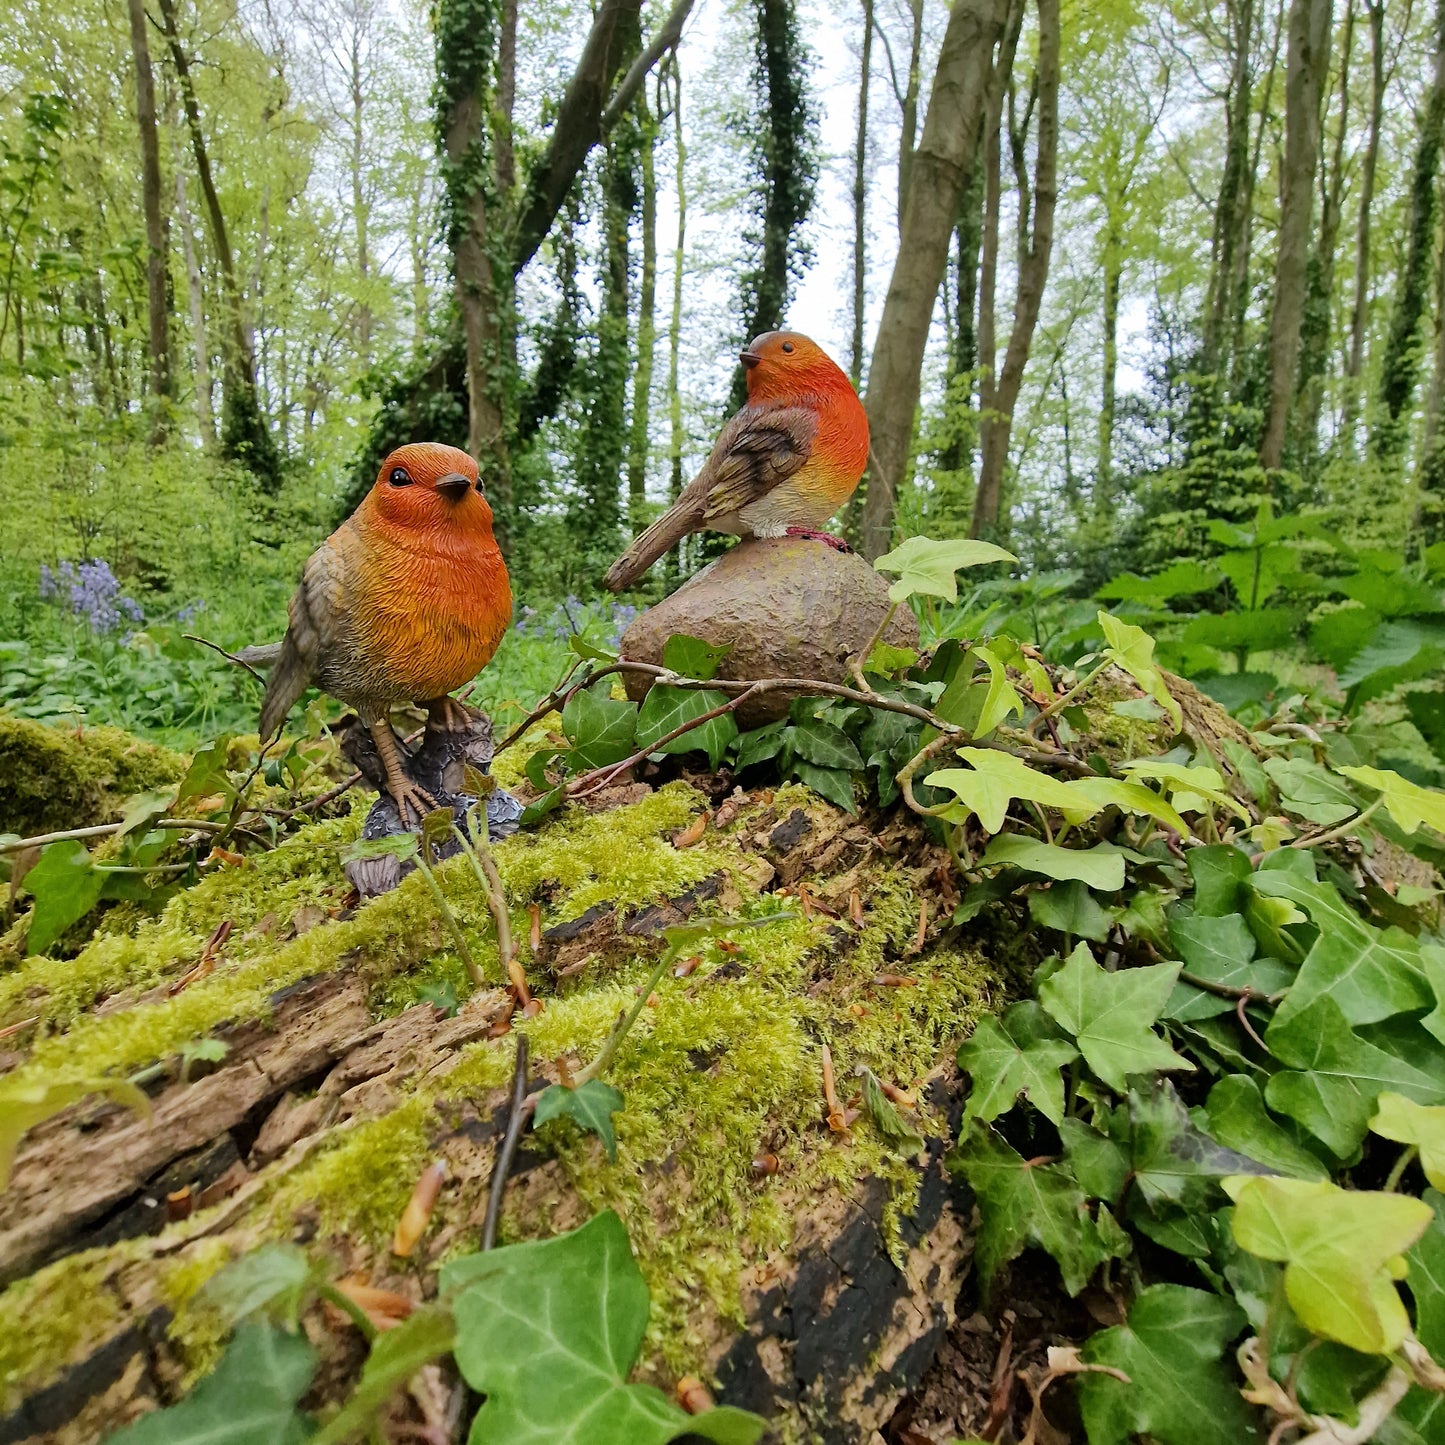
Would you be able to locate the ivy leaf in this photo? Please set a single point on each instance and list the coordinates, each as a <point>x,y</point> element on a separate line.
<point>761,744</point>
<point>1369,973</point>
<point>1191,788</point>
<point>1071,909</point>
<point>1220,873</point>
<point>274,1276</point>
<point>1168,1154</point>
<point>1181,580</point>
<point>1220,951</point>
<point>665,708</point>
<point>538,808</point>
<point>1407,803</point>
<point>885,659</point>
<point>600,728</point>
<point>23,1106</point>
<point>926,568</point>
<point>591,1106</point>
<point>1101,866</point>
<point>569,1311</point>
<point>1132,649</point>
<point>1407,1122</point>
<point>1099,1161</point>
<point>1100,793</point>
<point>207,772</point>
<point>1179,1392</point>
<point>886,1116</point>
<point>692,657</point>
<point>1310,791</point>
<point>994,779</point>
<point>834,784</point>
<point>1423,1411</point>
<point>248,1399</point>
<point>1339,1247</point>
<point>396,1355</point>
<point>1238,1119</point>
<point>1020,1053</point>
<point>66,885</point>
<point>1001,700</point>
<point>588,651</point>
<point>1109,1015</point>
<point>141,811</point>
<point>1021,1202</point>
<point>824,745</point>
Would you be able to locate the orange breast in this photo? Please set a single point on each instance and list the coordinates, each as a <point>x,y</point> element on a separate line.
<point>430,610</point>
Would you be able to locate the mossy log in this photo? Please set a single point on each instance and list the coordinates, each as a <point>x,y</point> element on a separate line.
<point>807,1274</point>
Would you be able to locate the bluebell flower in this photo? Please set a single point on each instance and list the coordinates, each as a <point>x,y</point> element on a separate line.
<point>94,593</point>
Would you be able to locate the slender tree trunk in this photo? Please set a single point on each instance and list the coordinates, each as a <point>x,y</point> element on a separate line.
<point>646,328</point>
<point>957,454</point>
<point>195,294</point>
<point>908,130</point>
<point>1320,290</point>
<point>359,205</point>
<point>1431,470</point>
<point>1307,55</point>
<point>860,199</point>
<point>1401,367</point>
<point>945,156</point>
<point>246,437</point>
<point>1113,273</point>
<point>1228,208</point>
<point>1033,273</point>
<point>677,439</point>
<point>158,337</point>
<point>1359,312</point>
<point>505,146</point>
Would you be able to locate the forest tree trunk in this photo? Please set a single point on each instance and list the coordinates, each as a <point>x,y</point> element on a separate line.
<point>245,436</point>
<point>157,247</point>
<point>646,328</point>
<point>1307,56</point>
<point>1401,367</point>
<point>196,296</point>
<point>1354,363</point>
<point>1033,273</point>
<point>860,200</point>
<point>946,156</point>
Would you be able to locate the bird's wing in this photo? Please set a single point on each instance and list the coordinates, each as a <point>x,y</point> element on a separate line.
<point>756,450</point>
<point>315,615</point>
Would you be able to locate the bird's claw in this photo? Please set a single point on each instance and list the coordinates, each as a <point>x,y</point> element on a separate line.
<point>836,543</point>
<point>407,794</point>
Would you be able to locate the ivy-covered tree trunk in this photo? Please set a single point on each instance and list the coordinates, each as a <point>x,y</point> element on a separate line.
<point>677,437</point>
<point>945,157</point>
<point>1306,64</point>
<point>860,199</point>
<point>466,40</point>
<point>196,298</point>
<point>646,326</point>
<point>1401,367</point>
<point>785,156</point>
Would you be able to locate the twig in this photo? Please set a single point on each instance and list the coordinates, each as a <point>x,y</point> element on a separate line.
<point>858,663</point>
<point>450,919</point>
<point>521,1113</point>
<point>905,774</point>
<point>229,656</point>
<point>1244,1023</point>
<point>1313,840</point>
<point>1229,990</point>
<point>479,854</point>
<point>102,830</point>
<point>16,1028</point>
<point>558,694</point>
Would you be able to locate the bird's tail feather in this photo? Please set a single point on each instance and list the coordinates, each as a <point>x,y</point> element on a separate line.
<point>289,679</point>
<point>668,529</point>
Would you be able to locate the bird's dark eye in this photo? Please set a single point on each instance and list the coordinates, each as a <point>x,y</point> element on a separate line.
<point>788,347</point>
<point>400,477</point>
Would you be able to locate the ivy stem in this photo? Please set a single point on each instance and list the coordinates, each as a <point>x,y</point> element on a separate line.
<point>349,1308</point>
<point>608,1051</point>
<point>1064,699</point>
<point>1347,827</point>
<point>857,663</point>
<point>522,1111</point>
<point>104,830</point>
<point>1407,1155</point>
<point>905,774</point>
<point>479,855</point>
<point>451,921</point>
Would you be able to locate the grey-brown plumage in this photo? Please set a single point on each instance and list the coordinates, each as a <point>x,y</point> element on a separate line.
<point>314,614</point>
<point>761,447</point>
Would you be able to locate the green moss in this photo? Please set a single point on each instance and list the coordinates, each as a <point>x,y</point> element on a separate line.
<point>199,1332</point>
<point>52,1318</point>
<point>53,778</point>
<point>1117,736</point>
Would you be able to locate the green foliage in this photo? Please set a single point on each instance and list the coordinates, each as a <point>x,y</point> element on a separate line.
<point>590,1106</point>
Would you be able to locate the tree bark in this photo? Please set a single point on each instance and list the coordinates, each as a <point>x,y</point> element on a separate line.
<point>1430,486</point>
<point>1359,312</point>
<point>1104,462</point>
<point>677,437</point>
<point>1032,276</point>
<point>359,205</point>
<point>945,157</point>
<point>908,130</point>
<point>1307,55</point>
<point>158,338</point>
<point>860,200</point>
<point>646,328</point>
<point>196,296</point>
<point>245,437</point>
<point>1401,367</point>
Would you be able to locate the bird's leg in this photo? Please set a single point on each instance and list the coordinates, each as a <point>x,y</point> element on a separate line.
<point>836,543</point>
<point>404,792</point>
<point>446,715</point>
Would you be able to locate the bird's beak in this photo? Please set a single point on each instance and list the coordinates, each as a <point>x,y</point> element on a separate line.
<point>749,359</point>
<point>454,486</point>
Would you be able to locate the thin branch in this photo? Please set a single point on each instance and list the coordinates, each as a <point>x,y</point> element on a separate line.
<point>229,656</point>
<point>520,1116</point>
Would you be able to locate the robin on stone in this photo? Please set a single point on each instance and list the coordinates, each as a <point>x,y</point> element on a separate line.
<point>780,468</point>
